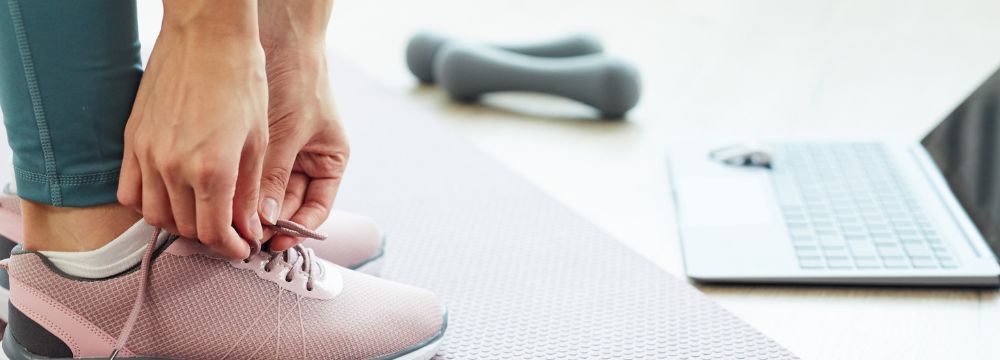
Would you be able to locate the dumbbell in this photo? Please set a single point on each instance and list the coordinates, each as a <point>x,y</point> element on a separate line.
<point>424,46</point>
<point>468,71</point>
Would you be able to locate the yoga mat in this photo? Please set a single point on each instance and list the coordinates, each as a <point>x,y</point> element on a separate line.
<point>523,276</point>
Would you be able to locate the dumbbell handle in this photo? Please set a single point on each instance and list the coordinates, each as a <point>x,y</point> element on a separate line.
<point>468,71</point>
<point>424,47</point>
<point>572,45</point>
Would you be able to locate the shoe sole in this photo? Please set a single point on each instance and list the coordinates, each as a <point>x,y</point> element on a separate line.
<point>12,350</point>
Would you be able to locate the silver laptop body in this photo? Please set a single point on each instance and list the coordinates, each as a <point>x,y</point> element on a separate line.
<point>878,213</point>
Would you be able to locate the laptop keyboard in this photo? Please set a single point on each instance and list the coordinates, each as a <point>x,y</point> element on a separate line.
<point>846,207</point>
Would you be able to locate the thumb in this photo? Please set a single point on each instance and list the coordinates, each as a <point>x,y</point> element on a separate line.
<point>278,162</point>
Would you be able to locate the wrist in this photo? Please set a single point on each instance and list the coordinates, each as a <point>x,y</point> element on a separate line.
<point>235,19</point>
<point>310,68</point>
<point>294,26</point>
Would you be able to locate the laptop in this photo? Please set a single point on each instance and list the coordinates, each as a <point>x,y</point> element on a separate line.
<point>923,212</point>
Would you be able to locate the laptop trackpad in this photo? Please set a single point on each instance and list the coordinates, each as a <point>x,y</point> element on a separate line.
<point>726,202</point>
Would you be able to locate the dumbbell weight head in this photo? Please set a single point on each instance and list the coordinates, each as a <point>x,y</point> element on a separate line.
<point>468,71</point>
<point>424,46</point>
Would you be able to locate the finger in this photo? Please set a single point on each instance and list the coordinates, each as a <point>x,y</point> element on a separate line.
<point>214,212</point>
<point>130,181</point>
<point>156,207</point>
<point>214,186</point>
<point>317,203</point>
<point>183,208</point>
<point>297,185</point>
<point>315,208</point>
<point>245,202</point>
<point>277,167</point>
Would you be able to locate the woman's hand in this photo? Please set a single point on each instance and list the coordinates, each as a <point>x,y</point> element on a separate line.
<point>307,150</point>
<point>195,140</point>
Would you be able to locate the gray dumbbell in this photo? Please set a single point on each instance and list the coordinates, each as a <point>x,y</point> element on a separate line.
<point>424,46</point>
<point>469,70</point>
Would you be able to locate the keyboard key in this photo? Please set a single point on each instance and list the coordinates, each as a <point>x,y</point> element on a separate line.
<point>907,233</point>
<point>924,263</point>
<point>867,263</point>
<point>890,252</point>
<point>808,253</point>
<point>796,224</point>
<point>920,250</point>
<point>880,233</point>
<point>812,263</point>
<point>839,263</point>
<point>895,263</point>
<point>853,230</point>
<point>803,239</point>
<point>883,239</point>
<point>835,252</point>
<point>831,240</point>
<point>862,249</point>
<point>947,262</point>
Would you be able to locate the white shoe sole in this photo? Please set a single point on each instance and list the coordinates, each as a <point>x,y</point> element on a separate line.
<point>425,352</point>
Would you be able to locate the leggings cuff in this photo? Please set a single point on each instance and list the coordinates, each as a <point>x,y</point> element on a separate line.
<point>80,190</point>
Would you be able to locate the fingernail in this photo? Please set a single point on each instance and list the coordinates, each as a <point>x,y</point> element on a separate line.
<point>270,209</point>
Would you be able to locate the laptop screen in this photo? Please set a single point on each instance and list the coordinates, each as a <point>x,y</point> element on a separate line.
<point>966,148</point>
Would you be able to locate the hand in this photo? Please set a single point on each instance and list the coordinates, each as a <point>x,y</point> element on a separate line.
<point>194,142</point>
<point>307,149</point>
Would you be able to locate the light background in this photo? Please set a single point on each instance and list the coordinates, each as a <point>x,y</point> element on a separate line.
<point>721,69</point>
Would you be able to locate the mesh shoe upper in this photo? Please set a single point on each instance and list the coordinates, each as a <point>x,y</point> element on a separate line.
<point>201,307</point>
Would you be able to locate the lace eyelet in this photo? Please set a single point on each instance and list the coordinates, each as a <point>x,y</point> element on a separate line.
<point>288,280</point>
<point>267,269</point>
<point>246,261</point>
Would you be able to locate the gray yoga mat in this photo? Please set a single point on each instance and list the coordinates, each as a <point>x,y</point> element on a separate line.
<point>523,276</point>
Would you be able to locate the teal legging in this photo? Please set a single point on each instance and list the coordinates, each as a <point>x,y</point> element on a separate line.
<point>69,71</point>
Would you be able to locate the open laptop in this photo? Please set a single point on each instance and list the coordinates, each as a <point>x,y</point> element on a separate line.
<point>880,213</point>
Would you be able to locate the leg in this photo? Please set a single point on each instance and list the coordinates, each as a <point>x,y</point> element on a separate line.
<point>68,75</point>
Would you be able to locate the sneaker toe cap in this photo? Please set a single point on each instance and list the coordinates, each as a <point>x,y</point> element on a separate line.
<point>378,318</point>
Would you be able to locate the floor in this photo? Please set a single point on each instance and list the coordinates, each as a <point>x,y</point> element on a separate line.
<point>722,69</point>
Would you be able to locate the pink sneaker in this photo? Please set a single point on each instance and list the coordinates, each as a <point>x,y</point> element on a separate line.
<point>355,241</point>
<point>187,303</point>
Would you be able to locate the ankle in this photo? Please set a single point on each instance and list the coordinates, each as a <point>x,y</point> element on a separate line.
<point>50,228</point>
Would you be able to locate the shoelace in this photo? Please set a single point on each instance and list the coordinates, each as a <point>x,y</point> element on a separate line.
<point>281,227</point>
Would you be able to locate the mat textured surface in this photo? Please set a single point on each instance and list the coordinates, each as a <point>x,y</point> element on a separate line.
<point>523,276</point>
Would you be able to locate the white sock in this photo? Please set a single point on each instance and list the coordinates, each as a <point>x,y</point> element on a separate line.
<point>119,255</point>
